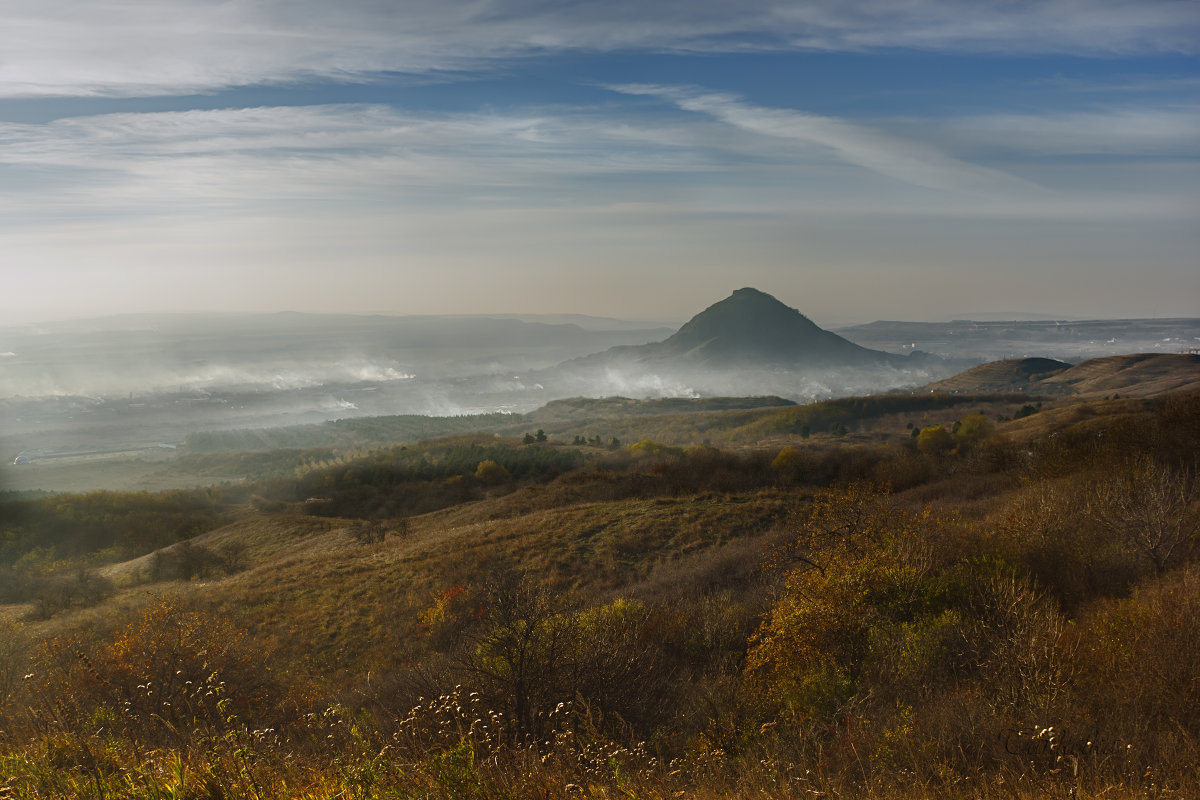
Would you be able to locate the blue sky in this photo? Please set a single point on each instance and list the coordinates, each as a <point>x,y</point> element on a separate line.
<point>859,160</point>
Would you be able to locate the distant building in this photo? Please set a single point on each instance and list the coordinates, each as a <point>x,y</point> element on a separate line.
<point>23,458</point>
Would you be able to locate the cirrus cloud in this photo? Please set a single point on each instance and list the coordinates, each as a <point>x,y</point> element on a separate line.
<point>75,48</point>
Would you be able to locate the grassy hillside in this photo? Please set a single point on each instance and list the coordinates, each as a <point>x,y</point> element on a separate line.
<point>1140,375</point>
<point>1010,375</point>
<point>995,604</point>
<point>1134,375</point>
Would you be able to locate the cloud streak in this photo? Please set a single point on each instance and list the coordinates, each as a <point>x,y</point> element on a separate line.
<point>76,48</point>
<point>327,154</point>
<point>753,160</point>
<point>1119,132</point>
<point>909,161</point>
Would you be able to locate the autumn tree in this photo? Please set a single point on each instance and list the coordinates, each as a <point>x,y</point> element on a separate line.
<point>491,472</point>
<point>934,440</point>
<point>973,428</point>
<point>789,463</point>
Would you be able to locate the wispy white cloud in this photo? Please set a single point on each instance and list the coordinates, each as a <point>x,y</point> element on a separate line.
<point>1123,132</point>
<point>729,159</point>
<point>155,163</point>
<point>906,160</point>
<point>1079,26</point>
<point>146,47</point>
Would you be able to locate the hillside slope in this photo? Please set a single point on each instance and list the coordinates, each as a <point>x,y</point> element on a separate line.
<point>1010,375</point>
<point>1135,375</point>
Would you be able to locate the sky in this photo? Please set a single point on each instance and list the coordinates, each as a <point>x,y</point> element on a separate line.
<point>858,159</point>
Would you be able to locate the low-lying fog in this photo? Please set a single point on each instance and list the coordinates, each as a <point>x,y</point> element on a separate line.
<point>134,381</point>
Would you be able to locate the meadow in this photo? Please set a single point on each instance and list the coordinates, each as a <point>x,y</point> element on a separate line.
<point>883,597</point>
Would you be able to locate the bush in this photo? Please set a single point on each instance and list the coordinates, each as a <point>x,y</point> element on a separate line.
<point>491,473</point>
<point>863,598</point>
<point>935,440</point>
<point>170,673</point>
<point>1138,662</point>
<point>973,428</point>
<point>648,448</point>
<point>790,464</point>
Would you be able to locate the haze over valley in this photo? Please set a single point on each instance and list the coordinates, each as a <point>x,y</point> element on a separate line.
<point>138,386</point>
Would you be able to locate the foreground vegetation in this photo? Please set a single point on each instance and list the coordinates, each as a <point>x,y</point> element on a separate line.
<point>978,608</point>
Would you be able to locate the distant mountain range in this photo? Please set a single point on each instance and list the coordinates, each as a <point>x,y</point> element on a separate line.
<point>1072,341</point>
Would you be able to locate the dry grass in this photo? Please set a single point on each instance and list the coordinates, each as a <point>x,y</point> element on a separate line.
<point>1003,647</point>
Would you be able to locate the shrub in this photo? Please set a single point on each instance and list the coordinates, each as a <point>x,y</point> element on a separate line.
<point>935,440</point>
<point>367,531</point>
<point>648,448</point>
<point>973,428</point>
<point>1148,507</point>
<point>789,463</point>
<point>1138,662</point>
<point>862,598</point>
<point>492,473</point>
<point>171,672</point>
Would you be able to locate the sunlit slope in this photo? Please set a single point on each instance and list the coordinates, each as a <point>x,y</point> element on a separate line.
<point>317,591</point>
<point>1010,375</point>
<point>1135,375</point>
